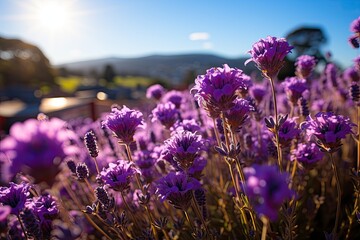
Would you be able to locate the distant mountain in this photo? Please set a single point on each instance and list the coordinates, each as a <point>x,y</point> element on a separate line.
<point>172,68</point>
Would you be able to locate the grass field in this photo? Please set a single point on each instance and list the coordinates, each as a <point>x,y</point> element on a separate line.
<point>70,84</point>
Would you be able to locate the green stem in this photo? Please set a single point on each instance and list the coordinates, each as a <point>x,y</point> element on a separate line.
<point>279,152</point>
<point>189,221</point>
<point>199,214</point>
<point>137,177</point>
<point>265,227</point>
<point>358,142</point>
<point>97,166</point>
<point>337,181</point>
<point>22,227</point>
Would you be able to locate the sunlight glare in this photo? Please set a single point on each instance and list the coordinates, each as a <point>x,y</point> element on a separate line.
<point>53,15</point>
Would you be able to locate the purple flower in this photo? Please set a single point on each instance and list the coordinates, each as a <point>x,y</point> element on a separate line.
<point>186,125</point>
<point>354,92</point>
<point>303,107</point>
<point>258,92</point>
<point>45,207</point>
<point>14,196</point>
<point>268,55</point>
<point>82,171</point>
<point>90,143</point>
<point>124,123</point>
<point>198,166</point>
<point>145,161</point>
<point>331,74</point>
<point>307,154</point>
<point>355,26</point>
<point>103,197</point>
<point>118,176</point>
<point>267,189</point>
<point>238,114</point>
<point>288,131</point>
<point>37,148</point>
<point>216,90</point>
<point>155,91</point>
<point>305,65</point>
<point>166,114</point>
<point>328,129</point>
<point>31,224</point>
<point>174,97</point>
<point>184,147</point>
<point>357,64</point>
<point>246,84</point>
<point>351,74</point>
<point>354,41</point>
<point>4,212</point>
<point>294,88</point>
<point>177,189</point>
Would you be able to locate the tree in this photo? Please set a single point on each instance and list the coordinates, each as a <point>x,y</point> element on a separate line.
<point>23,64</point>
<point>109,73</point>
<point>307,40</point>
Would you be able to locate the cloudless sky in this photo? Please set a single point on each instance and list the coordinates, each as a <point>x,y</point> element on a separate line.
<point>88,29</point>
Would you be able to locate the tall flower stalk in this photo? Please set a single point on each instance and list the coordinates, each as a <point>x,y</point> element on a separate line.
<point>124,123</point>
<point>338,188</point>
<point>268,55</point>
<point>328,129</point>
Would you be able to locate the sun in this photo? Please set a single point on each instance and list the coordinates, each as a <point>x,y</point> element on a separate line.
<point>51,15</point>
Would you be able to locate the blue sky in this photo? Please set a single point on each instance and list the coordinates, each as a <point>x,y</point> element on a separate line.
<point>87,29</point>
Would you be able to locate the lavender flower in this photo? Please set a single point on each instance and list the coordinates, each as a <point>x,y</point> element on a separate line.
<point>331,74</point>
<point>307,154</point>
<point>197,167</point>
<point>82,171</point>
<point>351,75</point>
<point>155,91</point>
<point>303,105</point>
<point>246,84</point>
<point>118,176</point>
<point>14,196</point>
<point>238,114</point>
<point>103,197</point>
<point>37,148</point>
<point>4,212</point>
<point>166,114</point>
<point>216,90</point>
<point>146,162</point>
<point>63,231</point>
<point>258,92</point>
<point>90,143</point>
<point>357,64</point>
<point>268,55</point>
<point>355,92</point>
<point>184,147</point>
<point>124,123</point>
<point>288,131</point>
<point>294,88</point>
<point>305,65</point>
<point>354,41</point>
<point>174,97</point>
<point>45,207</point>
<point>267,189</point>
<point>328,129</point>
<point>31,224</point>
<point>355,26</point>
<point>186,125</point>
<point>177,189</point>
<point>71,165</point>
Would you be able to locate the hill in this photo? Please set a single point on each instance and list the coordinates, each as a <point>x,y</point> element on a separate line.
<point>173,68</point>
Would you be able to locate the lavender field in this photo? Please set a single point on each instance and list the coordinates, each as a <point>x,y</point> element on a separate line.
<point>232,157</point>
